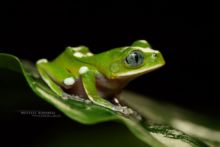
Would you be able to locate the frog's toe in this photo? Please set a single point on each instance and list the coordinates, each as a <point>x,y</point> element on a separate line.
<point>65,96</point>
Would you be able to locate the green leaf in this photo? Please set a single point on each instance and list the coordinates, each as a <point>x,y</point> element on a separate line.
<point>155,126</point>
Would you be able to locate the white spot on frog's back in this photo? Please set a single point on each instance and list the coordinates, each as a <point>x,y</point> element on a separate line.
<point>89,54</point>
<point>143,41</point>
<point>69,81</point>
<point>78,54</point>
<point>42,61</point>
<point>77,48</point>
<point>83,69</point>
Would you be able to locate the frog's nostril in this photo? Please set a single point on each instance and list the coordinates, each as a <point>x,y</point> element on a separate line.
<point>154,55</point>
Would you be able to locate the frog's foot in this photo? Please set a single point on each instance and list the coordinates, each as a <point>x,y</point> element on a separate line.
<point>116,101</point>
<point>123,109</point>
<point>118,108</point>
<point>102,102</point>
<point>66,96</point>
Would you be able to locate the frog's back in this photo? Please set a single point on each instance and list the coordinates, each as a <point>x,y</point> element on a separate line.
<point>72,59</point>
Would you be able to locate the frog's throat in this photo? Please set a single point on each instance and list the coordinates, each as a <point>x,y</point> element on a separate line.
<point>138,72</point>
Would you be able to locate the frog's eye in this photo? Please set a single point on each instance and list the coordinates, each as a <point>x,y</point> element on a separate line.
<point>134,59</point>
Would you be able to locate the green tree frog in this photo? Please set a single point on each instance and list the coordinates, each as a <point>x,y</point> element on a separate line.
<point>98,77</point>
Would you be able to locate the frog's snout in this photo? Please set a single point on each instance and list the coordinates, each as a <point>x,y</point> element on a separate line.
<point>158,57</point>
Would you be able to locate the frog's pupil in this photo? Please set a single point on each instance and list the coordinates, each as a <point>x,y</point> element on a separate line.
<point>136,57</point>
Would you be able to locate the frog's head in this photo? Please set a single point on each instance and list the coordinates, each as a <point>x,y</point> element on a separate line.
<point>135,60</point>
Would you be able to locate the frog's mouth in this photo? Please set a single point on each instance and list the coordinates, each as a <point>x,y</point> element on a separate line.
<point>139,72</point>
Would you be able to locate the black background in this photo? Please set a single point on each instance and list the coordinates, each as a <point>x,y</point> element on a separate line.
<point>186,34</point>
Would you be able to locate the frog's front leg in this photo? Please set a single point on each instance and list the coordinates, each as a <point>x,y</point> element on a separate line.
<point>89,84</point>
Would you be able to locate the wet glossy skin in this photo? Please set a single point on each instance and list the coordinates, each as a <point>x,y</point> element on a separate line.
<point>98,77</point>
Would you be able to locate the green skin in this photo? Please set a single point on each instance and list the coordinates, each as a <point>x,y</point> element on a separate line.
<point>99,77</point>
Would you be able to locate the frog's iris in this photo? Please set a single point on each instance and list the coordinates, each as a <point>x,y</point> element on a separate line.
<point>134,59</point>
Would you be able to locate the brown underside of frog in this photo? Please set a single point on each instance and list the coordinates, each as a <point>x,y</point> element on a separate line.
<point>107,88</point>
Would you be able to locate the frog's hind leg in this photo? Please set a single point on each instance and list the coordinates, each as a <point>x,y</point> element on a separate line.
<point>53,86</point>
<point>55,77</point>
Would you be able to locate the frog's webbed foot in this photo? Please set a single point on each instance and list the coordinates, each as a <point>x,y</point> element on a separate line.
<point>67,96</point>
<point>120,106</point>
